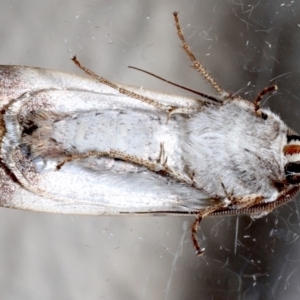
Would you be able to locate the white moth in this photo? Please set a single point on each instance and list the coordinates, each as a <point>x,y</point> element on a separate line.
<point>87,146</point>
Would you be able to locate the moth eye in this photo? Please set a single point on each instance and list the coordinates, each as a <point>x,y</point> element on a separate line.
<point>293,138</point>
<point>292,172</point>
<point>264,116</point>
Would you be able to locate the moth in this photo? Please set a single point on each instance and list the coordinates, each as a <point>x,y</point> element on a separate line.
<point>88,146</point>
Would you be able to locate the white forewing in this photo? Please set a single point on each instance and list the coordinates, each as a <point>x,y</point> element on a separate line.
<point>50,114</point>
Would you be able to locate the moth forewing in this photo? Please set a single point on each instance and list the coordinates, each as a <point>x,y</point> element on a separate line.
<point>61,117</point>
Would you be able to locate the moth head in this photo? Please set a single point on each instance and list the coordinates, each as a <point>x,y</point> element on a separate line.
<point>292,152</point>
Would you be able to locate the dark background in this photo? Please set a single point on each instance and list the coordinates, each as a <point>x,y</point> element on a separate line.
<point>244,45</point>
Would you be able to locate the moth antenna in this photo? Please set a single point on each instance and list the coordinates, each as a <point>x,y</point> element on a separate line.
<point>121,90</point>
<point>177,85</point>
<point>257,101</point>
<point>196,64</point>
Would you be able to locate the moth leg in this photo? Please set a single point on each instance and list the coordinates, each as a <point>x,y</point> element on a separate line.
<point>262,208</point>
<point>123,91</point>
<point>182,110</point>
<point>160,168</point>
<point>228,195</point>
<point>246,201</point>
<point>243,201</point>
<point>162,158</point>
<point>256,208</point>
<point>202,214</point>
<point>196,64</point>
<point>257,101</point>
<point>157,167</point>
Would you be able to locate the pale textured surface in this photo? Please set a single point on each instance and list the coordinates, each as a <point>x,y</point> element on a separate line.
<point>221,144</point>
<point>65,257</point>
<point>92,118</point>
